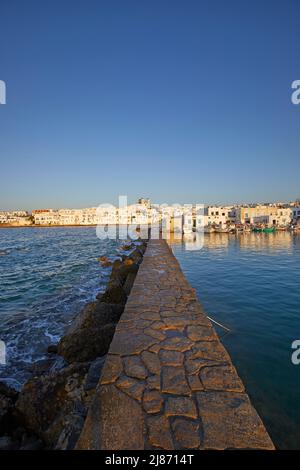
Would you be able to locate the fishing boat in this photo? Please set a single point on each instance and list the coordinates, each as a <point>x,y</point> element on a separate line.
<point>264,229</point>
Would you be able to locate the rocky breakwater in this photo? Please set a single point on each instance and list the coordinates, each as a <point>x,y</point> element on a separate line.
<point>50,410</point>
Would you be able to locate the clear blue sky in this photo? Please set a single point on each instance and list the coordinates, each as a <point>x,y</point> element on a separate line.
<point>181,101</point>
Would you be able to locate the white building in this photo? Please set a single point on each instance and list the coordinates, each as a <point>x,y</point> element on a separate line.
<point>15,218</point>
<point>45,217</point>
<point>218,215</point>
<point>270,215</point>
<point>282,217</point>
<point>295,214</point>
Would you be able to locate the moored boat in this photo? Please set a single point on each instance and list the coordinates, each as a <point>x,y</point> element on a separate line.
<point>264,229</point>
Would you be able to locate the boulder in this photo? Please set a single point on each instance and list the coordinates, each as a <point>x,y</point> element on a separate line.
<point>114,295</point>
<point>42,366</point>
<point>120,273</point>
<point>52,349</point>
<point>45,402</point>
<point>8,391</point>
<point>136,255</point>
<point>129,283</point>
<point>104,261</point>
<point>91,333</point>
<point>94,374</point>
<point>141,247</point>
<point>128,261</point>
<point>71,427</point>
<point>121,269</point>
<point>86,344</point>
<point>127,246</point>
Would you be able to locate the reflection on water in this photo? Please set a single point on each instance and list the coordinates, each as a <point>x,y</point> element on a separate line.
<point>250,283</point>
<point>195,241</point>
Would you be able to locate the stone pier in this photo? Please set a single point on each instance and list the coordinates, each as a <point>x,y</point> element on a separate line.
<point>168,382</point>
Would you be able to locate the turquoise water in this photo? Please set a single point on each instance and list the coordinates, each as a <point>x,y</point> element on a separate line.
<point>250,283</point>
<point>46,276</point>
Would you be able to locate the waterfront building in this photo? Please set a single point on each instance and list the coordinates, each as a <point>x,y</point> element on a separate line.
<point>174,218</point>
<point>45,217</point>
<point>218,215</point>
<point>15,218</point>
<point>270,215</point>
<point>282,218</point>
<point>106,214</point>
<point>296,214</point>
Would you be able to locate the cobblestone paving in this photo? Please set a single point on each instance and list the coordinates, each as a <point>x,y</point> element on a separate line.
<point>168,383</point>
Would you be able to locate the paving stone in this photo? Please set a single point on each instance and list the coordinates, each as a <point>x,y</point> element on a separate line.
<point>176,344</point>
<point>193,366</point>
<point>153,316</point>
<point>181,406</point>
<point>126,344</point>
<point>152,401</point>
<point>134,367</point>
<point>195,383</point>
<point>134,388</point>
<point>174,381</point>
<point>156,334</point>
<point>155,348</point>
<point>221,378</point>
<point>229,421</point>
<point>201,333</point>
<point>171,358</point>
<point>151,361</point>
<point>153,382</point>
<point>154,307</point>
<point>173,323</point>
<point>107,428</point>
<point>169,302</point>
<point>212,350</point>
<point>170,313</point>
<point>186,433</point>
<point>159,432</point>
<point>158,325</point>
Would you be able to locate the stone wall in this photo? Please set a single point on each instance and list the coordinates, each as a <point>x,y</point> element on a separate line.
<point>168,383</point>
